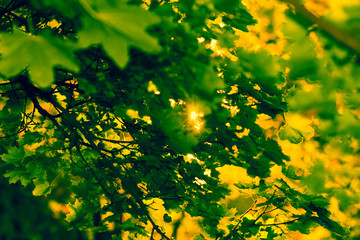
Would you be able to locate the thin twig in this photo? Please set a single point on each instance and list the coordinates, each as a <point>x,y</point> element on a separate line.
<point>264,211</point>
<point>113,141</point>
<point>152,234</point>
<point>239,221</point>
<point>280,223</point>
<point>108,194</point>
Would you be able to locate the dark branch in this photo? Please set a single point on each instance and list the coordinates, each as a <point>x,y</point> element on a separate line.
<point>280,223</point>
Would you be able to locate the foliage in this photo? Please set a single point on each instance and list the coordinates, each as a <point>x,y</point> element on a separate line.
<point>24,217</point>
<point>133,109</point>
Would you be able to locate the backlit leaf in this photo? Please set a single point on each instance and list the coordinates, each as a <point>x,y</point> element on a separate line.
<point>42,187</point>
<point>75,211</point>
<point>116,29</point>
<point>38,54</point>
<point>297,129</point>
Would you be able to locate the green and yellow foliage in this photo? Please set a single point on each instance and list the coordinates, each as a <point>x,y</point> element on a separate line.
<point>181,119</point>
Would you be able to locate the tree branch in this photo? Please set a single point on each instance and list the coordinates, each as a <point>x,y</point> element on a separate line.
<point>114,141</point>
<point>98,180</point>
<point>238,224</point>
<point>264,211</point>
<point>156,227</point>
<point>280,223</point>
<point>339,35</point>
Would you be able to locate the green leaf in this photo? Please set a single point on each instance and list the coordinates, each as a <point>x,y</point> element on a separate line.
<point>290,134</point>
<point>30,138</point>
<point>199,237</point>
<point>167,218</point>
<point>69,8</point>
<point>116,237</point>
<point>186,5</point>
<point>297,129</point>
<point>249,227</point>
<point>263,67</point>
<point>290,172</point>
<point>76,212</point>
<point>274,152</point>
<point>226,5</point>
<point>170,122</point>
<point>115,29</point>
<point>303,225</point>
<point>259,167</point>
<point>132,226</point>
<point>38,54</point>
<point>42,187</point>
<point>17,175</point>
<point>241,20</point>
<point>332,225</point>
<point>15,155</point>
<point>270,234</point>
<point>316,180</point>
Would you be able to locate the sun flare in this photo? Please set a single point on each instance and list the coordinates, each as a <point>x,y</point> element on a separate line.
<point>195,119</point>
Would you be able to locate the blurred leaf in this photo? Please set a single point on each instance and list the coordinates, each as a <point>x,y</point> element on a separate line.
<point>76,212</point>
<point>116,29</point>
<point>227,6</point>
<point>332,225</point>
<point>199,237</point>
<point>290,134</point>
<point>297,129</point>
<point>316,180</point>
<point>39,55</point>
<point>240,20</point>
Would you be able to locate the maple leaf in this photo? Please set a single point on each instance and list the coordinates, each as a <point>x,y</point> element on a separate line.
<point>297,129</point>
<point>76,211</point>
<point>115,29</point>
<point>42,187</point>
<point>14,155</point>
<point>17,175</point>
<point>39,54</point>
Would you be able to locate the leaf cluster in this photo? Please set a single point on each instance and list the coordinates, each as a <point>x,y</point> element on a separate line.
<point>98,98</point>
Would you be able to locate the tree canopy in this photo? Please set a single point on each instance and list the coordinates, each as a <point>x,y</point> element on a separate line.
<point>135,118</point>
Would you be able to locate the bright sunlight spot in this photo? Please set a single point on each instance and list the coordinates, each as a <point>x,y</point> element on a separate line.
<point>152,88</point>
<point>195,120</point>
<point>201,39</point>
<point>193,115</point>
